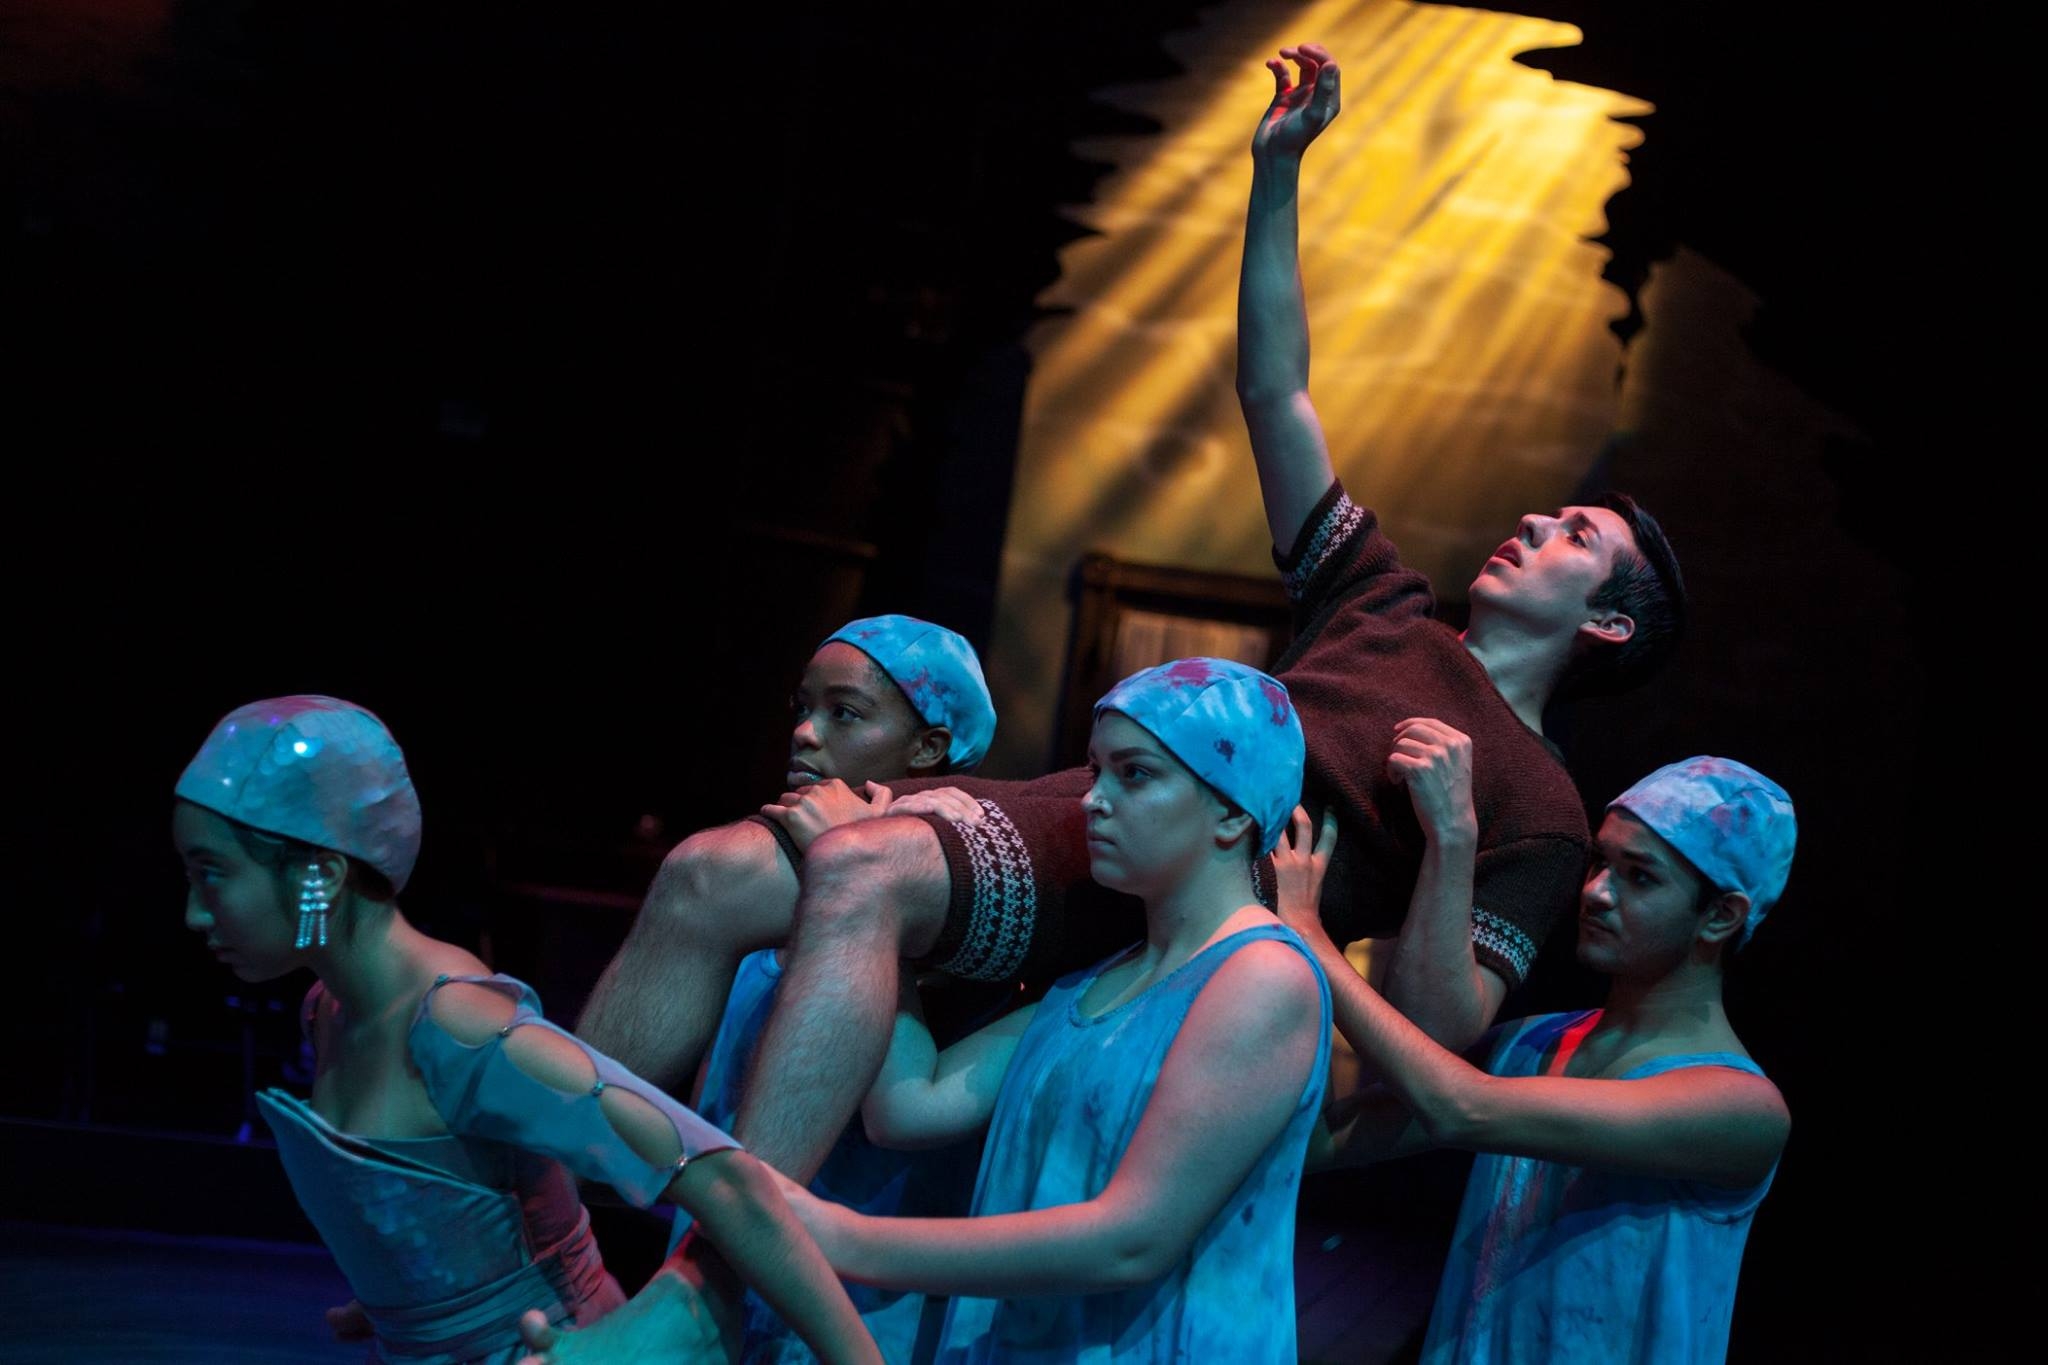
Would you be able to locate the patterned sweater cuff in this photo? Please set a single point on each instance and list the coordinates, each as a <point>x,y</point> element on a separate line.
<point>1329,526</point>
<point>1502,945</point>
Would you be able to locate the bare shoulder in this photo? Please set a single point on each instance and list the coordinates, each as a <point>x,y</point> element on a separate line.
<point>1744,1099</point>
<point>1267,988</point>
<point>445,959</point>
<point>1753,1092</point>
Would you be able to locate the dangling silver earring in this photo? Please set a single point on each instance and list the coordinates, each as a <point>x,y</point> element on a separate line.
<point>313,908</point>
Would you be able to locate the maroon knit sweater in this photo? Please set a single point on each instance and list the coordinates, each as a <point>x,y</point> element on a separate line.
<point>1369,654</point>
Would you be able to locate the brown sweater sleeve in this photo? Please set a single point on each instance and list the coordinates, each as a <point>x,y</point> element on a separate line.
<point>1340,552</point>
<point>1520,890</point>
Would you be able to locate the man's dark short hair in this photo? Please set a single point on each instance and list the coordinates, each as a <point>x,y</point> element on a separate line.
<point>1645,586</point>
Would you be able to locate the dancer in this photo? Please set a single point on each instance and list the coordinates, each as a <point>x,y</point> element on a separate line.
<point>1625,1149</point>
<point>1582,599</point>
<point>883,698</point>
<point>443,1104</point>
<point>1147,1120</point>
<point>882,694</point>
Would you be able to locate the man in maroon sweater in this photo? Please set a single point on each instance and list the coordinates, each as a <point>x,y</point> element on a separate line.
<point>1584,599</point>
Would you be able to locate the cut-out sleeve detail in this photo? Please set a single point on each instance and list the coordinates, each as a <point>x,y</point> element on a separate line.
<point>485,1091</point>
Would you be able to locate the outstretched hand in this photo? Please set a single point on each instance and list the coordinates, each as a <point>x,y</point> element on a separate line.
<point>1300,111</point>
<point>1300,860</point>
<point>1434,761</point>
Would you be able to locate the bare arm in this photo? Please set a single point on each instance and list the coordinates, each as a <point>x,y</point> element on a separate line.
<point>925,1098</point>
<point>1713,1124</point>
<point>1373,1123</point>
<point>1228,1087</point>
<point>1434,978</point>
<point>734,1199</point>
<point>730,1194</point>
<point>1272,317</point>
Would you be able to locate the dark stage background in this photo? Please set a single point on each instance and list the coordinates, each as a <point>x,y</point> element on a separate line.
<point>550,382</point>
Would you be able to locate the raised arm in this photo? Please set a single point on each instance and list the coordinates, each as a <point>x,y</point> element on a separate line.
<point>513,1076</point>
<point>1228,1087</point>
<point>1374,1123</point>
<point>927,1098</point>
<point>1272,317</point>
<point>1434,978</point>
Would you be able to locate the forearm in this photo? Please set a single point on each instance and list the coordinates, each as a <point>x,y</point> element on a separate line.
<point>1272,314</point>
<point>1434,979</point>
<point>743,1216</point>
<point>1273,354</point>
<point>1438,1087</point>
<point>1074,1249</point>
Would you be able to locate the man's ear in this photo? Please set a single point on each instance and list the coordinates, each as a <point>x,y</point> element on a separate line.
<point>1725,916</point>
<point>928,758</point>
<point>1608,628</point>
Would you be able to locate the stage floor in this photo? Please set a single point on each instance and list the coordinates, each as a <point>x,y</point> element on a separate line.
<point>69,1295</point>
<point>72,1295</point>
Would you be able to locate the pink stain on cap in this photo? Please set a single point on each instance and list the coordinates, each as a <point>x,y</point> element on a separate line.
<point>1276,697</point>
<point>1189,672</point>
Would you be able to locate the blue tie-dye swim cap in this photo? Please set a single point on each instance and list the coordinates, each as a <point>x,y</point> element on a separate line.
<point>939,673</point>
<point>1233,726</point>
<point>1730,821</point>
<point>322,771</point>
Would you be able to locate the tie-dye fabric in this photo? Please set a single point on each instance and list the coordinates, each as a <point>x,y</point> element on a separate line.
<point>1730,821</point>
<point>1556,1263</point>
<point>1233,726</point>
<point>938,671</point>
<point>1071,1101</point>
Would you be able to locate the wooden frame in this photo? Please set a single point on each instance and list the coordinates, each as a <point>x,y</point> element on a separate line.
<point>1128,616</point>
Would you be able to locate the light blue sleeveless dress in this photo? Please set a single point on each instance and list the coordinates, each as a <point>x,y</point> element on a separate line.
<point>1571,1263</point>
<point>1071,1101</point>
<point>448,1240</point>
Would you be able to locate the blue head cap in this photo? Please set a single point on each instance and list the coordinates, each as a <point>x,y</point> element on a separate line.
<point>939,673</point>
<point>1729,821</point>
<point>1233,726</point>
<point>322,771</point>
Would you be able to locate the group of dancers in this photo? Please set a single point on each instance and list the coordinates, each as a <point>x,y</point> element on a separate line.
<point>1146,1123</point>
